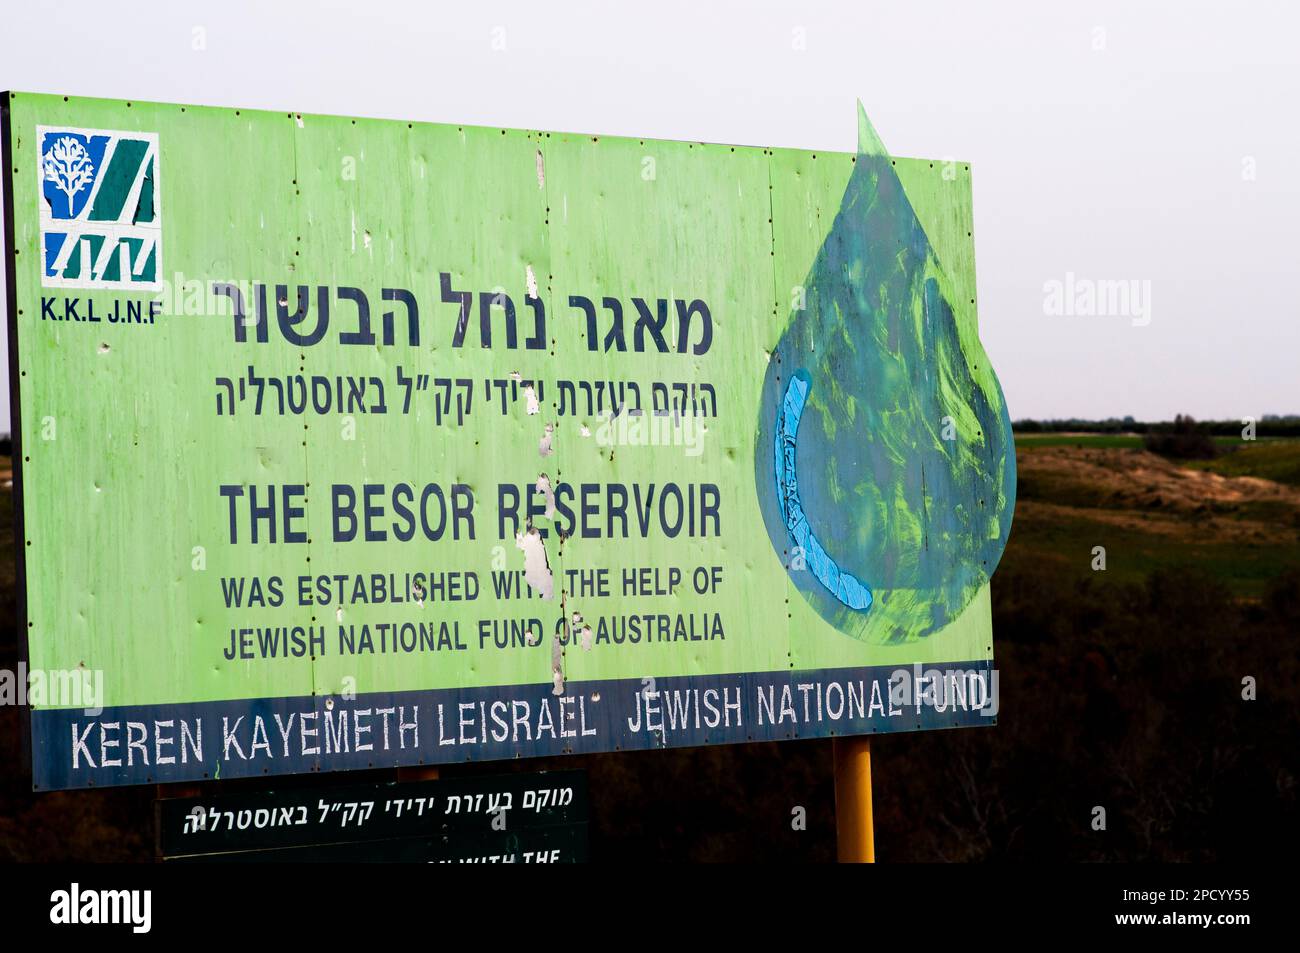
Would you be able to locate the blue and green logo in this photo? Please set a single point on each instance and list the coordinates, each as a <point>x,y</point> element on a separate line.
<point>101,213</point>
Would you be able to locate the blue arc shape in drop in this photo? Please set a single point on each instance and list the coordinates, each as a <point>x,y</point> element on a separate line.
<point>844,586</point>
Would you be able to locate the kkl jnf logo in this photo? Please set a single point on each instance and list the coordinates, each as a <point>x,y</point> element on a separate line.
<point>101,208</point>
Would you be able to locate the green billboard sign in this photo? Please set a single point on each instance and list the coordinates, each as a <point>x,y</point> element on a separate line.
<point>345,443</point>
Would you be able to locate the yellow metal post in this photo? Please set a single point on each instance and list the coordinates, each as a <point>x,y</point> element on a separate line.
<point>853,824</point>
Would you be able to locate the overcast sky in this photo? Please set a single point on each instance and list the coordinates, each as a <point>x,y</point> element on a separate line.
<point>1154,143</point>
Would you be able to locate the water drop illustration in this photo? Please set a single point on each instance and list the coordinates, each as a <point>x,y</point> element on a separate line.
<point>884,456</point>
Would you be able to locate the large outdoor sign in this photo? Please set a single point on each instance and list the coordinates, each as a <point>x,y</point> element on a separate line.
<point>345,443</point>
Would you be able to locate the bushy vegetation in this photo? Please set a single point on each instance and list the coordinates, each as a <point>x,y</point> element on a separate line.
<point>1185,440</point>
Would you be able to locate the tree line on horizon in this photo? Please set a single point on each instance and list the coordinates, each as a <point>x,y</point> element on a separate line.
<point>1268,425</point>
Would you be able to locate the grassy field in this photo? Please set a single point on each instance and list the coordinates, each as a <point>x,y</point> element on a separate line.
<point>1127,441</point>
<point>1038,440</point>
<point>1236,518</point>
<point>1277,460</point>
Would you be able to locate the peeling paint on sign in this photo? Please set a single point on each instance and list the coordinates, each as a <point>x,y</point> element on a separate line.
<point>537,572</point>
<point>543,486</point>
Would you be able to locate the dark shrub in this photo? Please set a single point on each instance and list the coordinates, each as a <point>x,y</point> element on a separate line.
<point>1184,440</point>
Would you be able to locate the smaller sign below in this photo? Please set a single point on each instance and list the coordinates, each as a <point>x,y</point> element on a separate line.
<point>513,818</point>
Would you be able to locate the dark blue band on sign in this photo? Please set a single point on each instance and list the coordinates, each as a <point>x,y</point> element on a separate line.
<point>151,744</point>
